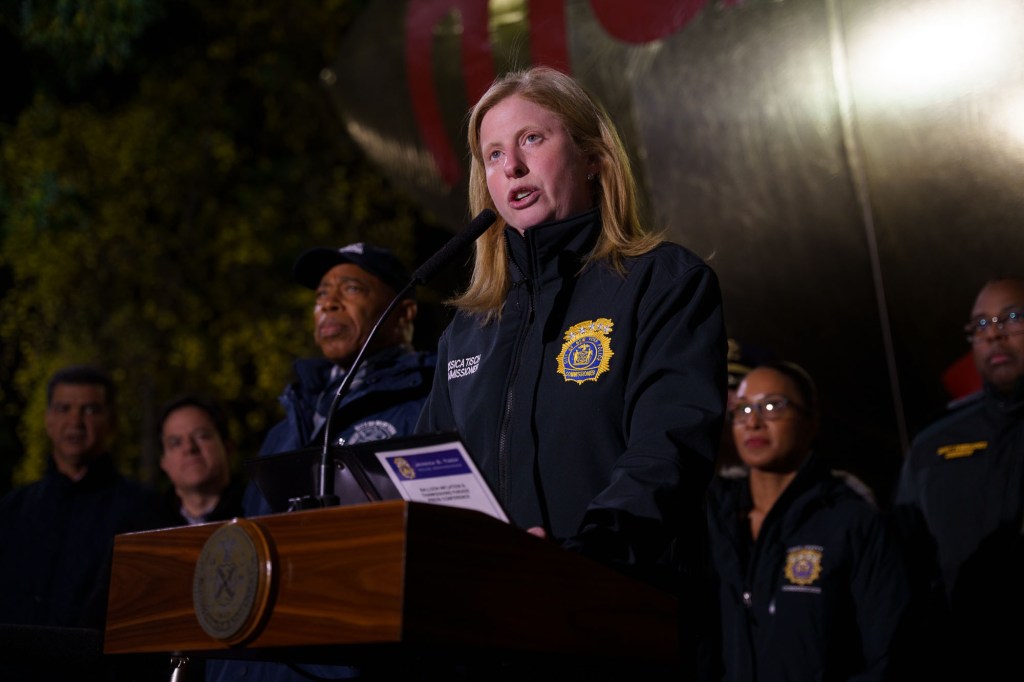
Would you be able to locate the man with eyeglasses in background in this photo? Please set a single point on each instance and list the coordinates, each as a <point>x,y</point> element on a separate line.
<point>960,503</point>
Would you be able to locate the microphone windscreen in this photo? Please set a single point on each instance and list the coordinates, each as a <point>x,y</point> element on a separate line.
<point>476,227</point>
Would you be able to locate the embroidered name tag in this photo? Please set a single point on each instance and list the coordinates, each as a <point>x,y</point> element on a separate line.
<point>958,450</point>
<point>587,351</point>
<point>463,367</point>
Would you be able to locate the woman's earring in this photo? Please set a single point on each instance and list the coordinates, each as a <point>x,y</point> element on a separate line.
<point>590,177</point>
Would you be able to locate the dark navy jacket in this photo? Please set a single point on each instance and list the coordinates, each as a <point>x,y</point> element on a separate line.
<point>960,502</point>
<point>56,543</point>
<point>228,507</point>
<point>593,405</point>
<point>965,475</point>
<point>821,595</point>
<point>386,404</point>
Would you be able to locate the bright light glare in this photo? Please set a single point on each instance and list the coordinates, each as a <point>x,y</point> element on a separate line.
<point>1009,118</point>
<point>938,51</point>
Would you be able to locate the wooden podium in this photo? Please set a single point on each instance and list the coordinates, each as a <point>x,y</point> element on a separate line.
<point>397,575</point>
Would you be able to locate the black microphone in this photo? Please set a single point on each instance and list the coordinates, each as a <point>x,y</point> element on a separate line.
<point>479,225</point>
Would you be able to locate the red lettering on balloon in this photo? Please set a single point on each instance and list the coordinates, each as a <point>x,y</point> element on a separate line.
<point>547,45</point>
<point>477,68</point>
<point>547,34</point>
<point>643,22</point>
<point>633,22</point>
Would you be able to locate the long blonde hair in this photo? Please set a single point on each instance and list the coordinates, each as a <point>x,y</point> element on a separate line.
<point>591,129</point>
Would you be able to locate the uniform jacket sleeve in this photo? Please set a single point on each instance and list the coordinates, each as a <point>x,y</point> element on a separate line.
<point>674,405</point>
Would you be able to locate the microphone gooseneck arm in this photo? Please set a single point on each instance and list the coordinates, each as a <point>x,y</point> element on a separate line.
<point>325,486</point>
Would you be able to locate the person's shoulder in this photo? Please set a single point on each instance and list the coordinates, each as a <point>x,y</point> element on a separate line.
<point>958,419</point>
<point>850,503</point>
<point>850,486</point>
<point>463,325</point>
<point>728,482</point>
<point>421,358</point>
<point>231,500</point>
<point>734,472</point>
<point>671,255</point>
<point>136,490</point>
<point>667,266</point>
<point>139,505</point>
<point>671,275</point>
<point>411,366</point>
<point>19,496</point>
<point>29,492</point>
<point>838,500</point>
<point>311,370</point>
<point>281,437</point>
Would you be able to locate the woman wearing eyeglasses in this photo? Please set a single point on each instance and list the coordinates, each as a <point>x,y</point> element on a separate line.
<point>811,583</point>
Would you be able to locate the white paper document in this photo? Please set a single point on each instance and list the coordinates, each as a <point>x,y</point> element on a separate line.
<point>440,474</point>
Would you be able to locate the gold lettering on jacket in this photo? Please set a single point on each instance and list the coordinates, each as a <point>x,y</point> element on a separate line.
<point>958,450</point>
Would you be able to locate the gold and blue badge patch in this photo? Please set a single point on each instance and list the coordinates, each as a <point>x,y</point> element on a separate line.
<point>587,351</point>
<point>404,468</point>
<point>803,564</point>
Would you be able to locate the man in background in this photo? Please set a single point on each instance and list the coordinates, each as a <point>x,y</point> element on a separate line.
<point>196,448</point>
<point>960,502</point>
<point>57,534</point>
<point>353,287</point>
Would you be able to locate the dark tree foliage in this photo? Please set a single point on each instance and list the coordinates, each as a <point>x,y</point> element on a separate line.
<point>163,164</point>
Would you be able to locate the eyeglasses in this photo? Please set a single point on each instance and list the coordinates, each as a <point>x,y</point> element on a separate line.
<point>1010,322</point>
<point>767,408</point>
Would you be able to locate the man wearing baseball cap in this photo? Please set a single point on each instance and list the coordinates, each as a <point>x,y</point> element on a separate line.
<point>352,288</point>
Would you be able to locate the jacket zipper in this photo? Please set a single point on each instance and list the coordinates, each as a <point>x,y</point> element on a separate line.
<point>504,493</point>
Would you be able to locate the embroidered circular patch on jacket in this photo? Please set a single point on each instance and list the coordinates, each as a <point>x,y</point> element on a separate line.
<point>587,351</point>
<point>803,565</point>
<point>231,583</point>
<point>373,429</point>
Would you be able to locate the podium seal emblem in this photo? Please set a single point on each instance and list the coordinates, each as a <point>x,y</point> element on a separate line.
<point>231,584</point>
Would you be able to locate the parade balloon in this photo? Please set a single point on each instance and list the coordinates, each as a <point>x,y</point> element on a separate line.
<point>850,168</point>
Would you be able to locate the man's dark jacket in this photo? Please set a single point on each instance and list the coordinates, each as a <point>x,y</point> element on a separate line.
<point>960,507</point>
<point>384,402</point>
<point>56,543</point>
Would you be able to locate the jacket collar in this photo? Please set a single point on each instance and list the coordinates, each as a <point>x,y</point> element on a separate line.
<point>553,250</point>
<point>316,374</point>
<point>101,471</point>
<point>793,501</point>
<point>1012,403</point>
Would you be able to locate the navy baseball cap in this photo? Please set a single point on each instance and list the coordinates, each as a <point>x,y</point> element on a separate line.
<point>312,265</point>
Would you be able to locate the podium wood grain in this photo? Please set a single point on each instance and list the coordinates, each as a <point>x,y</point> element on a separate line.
<point>394,573</point>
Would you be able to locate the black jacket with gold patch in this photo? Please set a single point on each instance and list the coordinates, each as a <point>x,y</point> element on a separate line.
<point>965,476</point>
<point>960,507</point>
<point>820,595</point>
<point>593,406</point>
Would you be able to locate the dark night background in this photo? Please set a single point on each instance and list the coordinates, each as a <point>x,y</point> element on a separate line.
<point>849,168</point>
